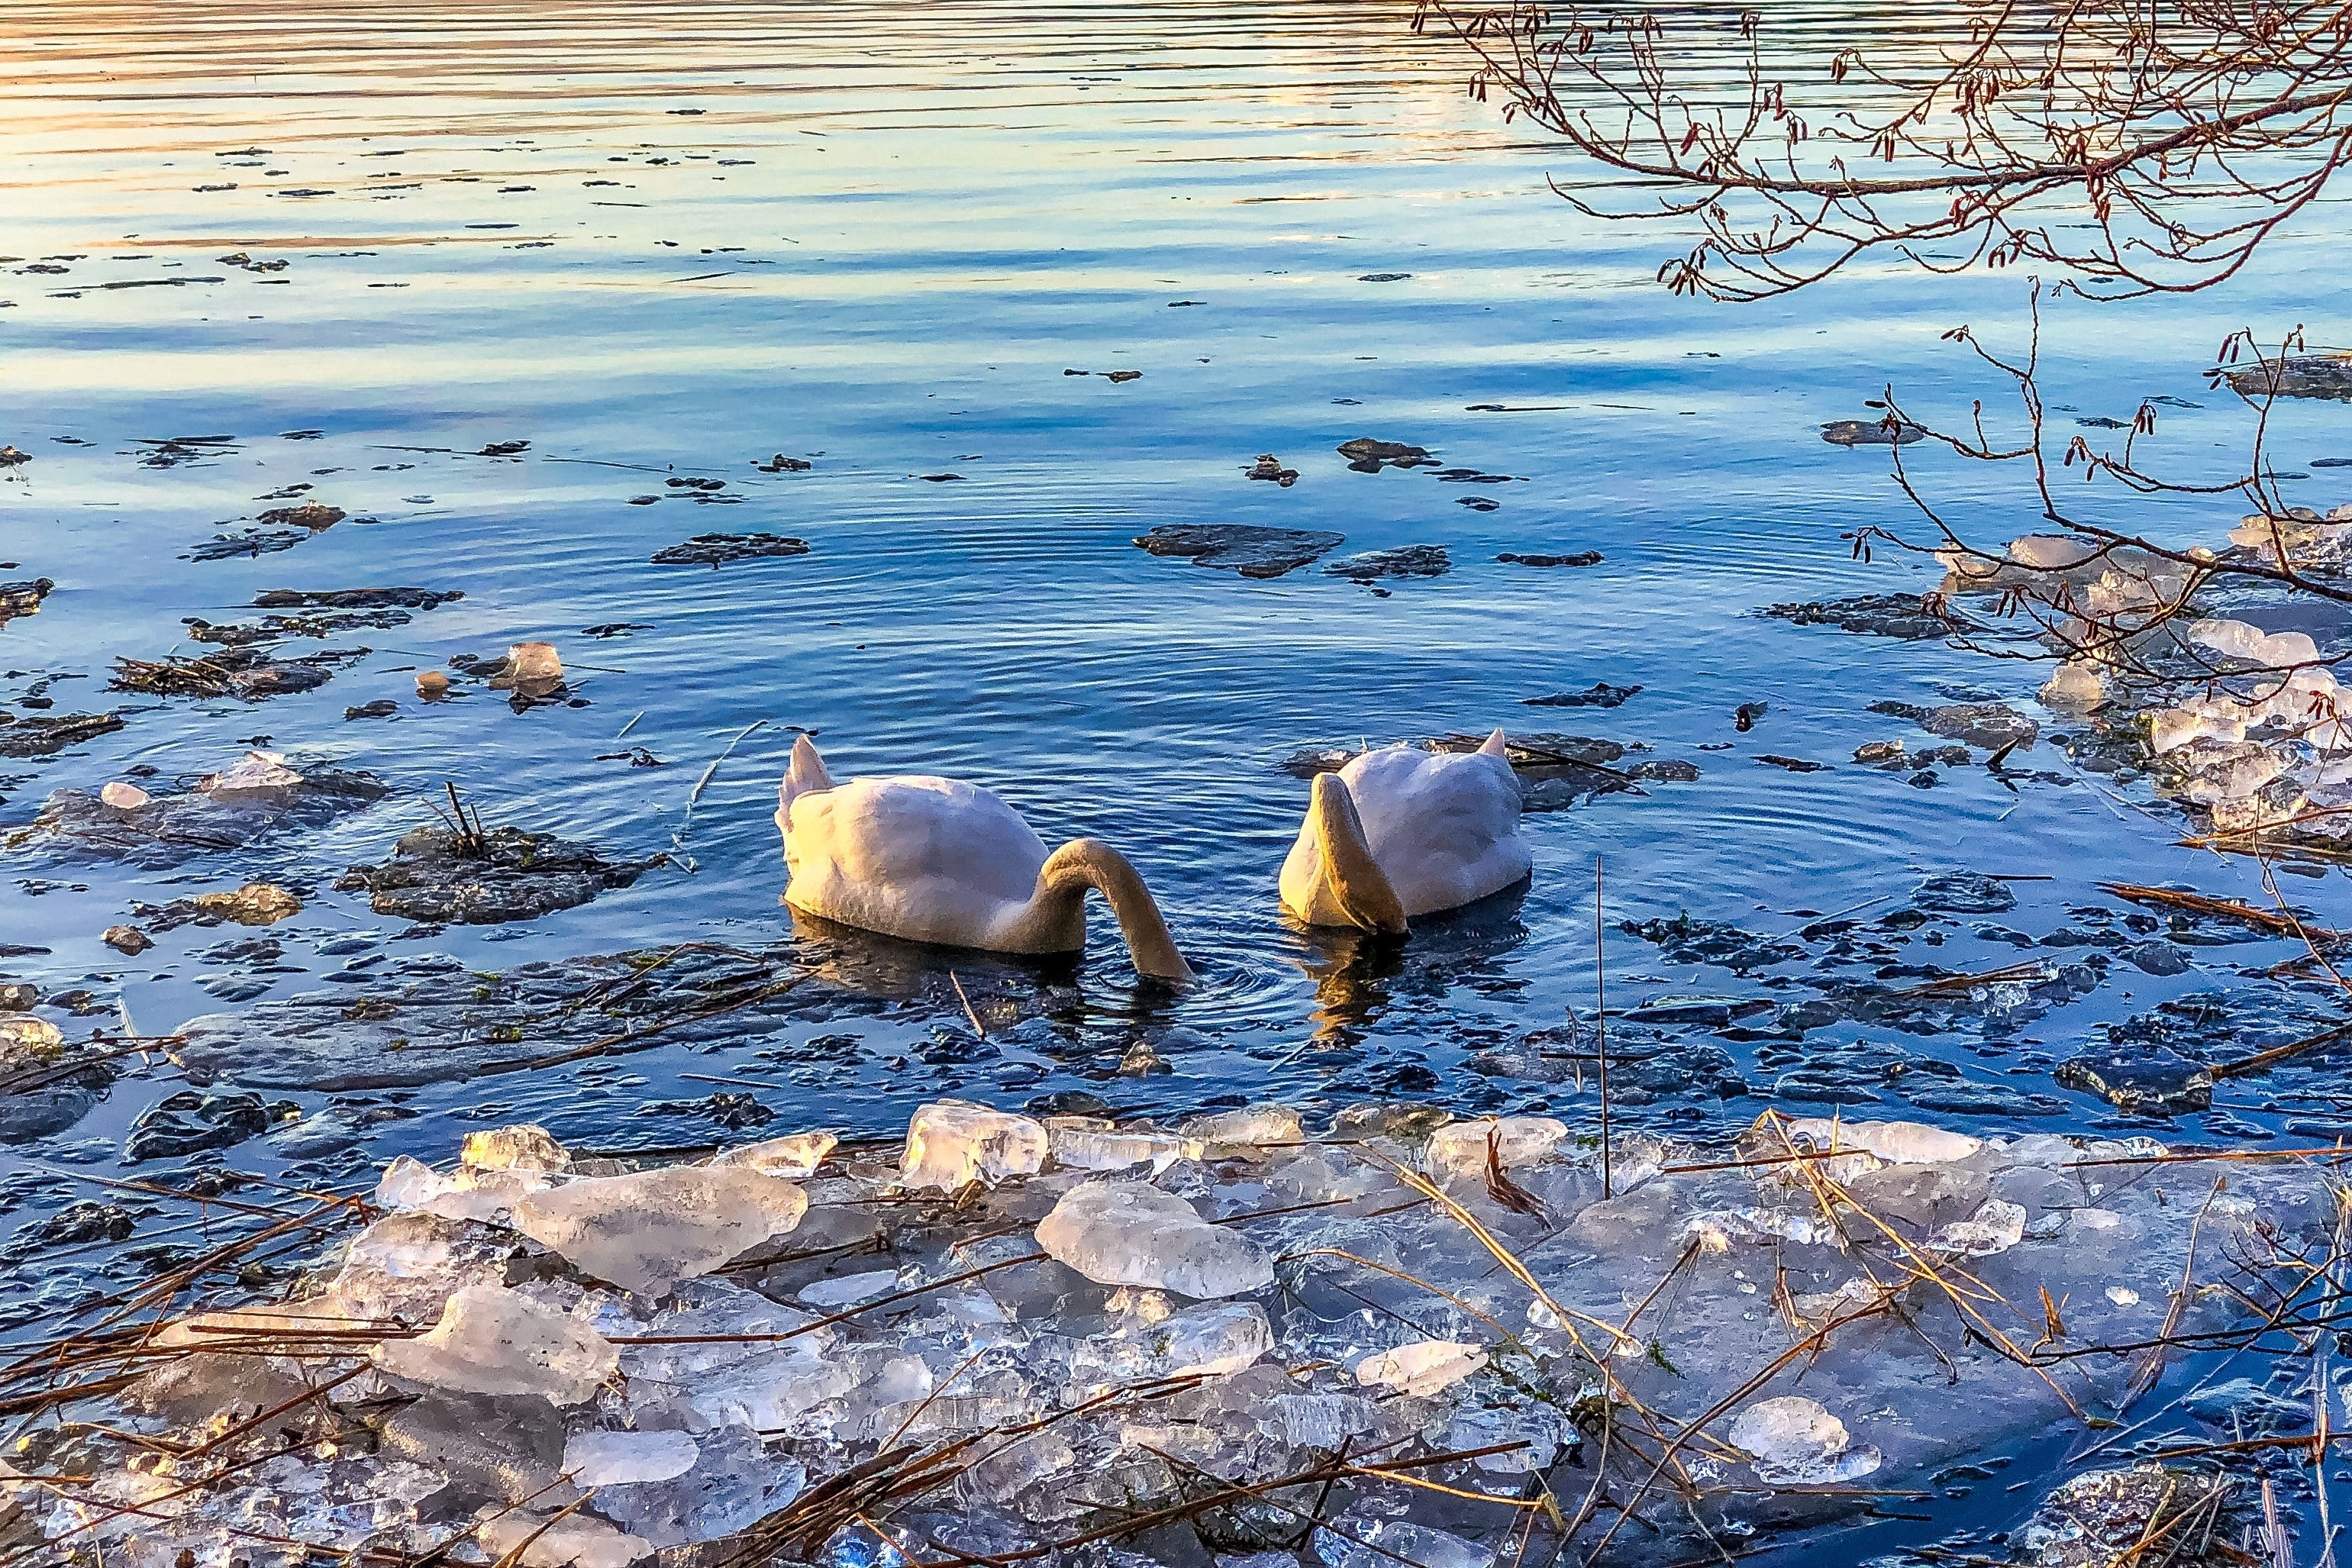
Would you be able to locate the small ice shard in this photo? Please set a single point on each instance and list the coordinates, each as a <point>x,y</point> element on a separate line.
<point>1318,1420</point>
<point>1226,1133</point>
<point>517,1539</point>
<point>256,771</point>
<point>795,1158</point>
<point>2077,683</point>
<point>848,1289</point>
<point>2123,1295</point>
<point>952,1144</point>
<point>627,1458</point>
<point>494,1341</point>
<point>1717,1229</point>
<point>1460,1148</point>
<point>650,1229</point>
<point>1128,1232</point>
<point>1794,1440</point>
<point>123,796</point>
<point>523,1147</point>
<point>1423,1367</point>
<point>411,1186</point>
<point>1996,1227</point>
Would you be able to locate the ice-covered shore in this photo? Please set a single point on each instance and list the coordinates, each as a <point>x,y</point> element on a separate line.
<point>1400,1337</point>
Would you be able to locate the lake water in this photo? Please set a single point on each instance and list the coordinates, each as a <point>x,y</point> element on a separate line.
<point>665,242</point>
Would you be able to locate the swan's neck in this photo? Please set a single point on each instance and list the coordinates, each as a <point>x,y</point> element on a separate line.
<point>1084,865</point>
<point>1358,884</point>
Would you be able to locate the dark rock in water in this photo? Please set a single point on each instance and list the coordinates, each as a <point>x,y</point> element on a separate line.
<point>2158,958</point>
<point>1478,504</point>
<point>780,464</point>
<point>23,737</point>
<point>243,672</point>
<point>1907,615</point>
<point>611,629</point>
<point>733,1111</point>
<point>277,628</point>
<point>1665,769</point>
<point>188,1122</point>
<point>1580,558</point>
<point>1269,466</point>
<point>2109,1518</point>
<point>1602,695</point>
<point>1412,561</point>
<point>43,1088</point>
<point>1871,433</point>
<point>1794,764</point>
<point>382,708</point>
<point>174,826</point>
<point>1385,277</point>
<point>1472,477</point>
<point>1367,455</point>
<point>10,458</point>
<point>312,515</point>
<point>356,598</point>
<point>506,873</point>
<point>1240,547</point>
<point>1964,893</point>
<point>1119,377</point>
<point>2243,1408</point>
<point>1963,1097</point>
<point>1991,725</point>
<point>2295,375</point>
<point>253,542</point>
<point>717,549</point>
<point>1704,1012</point>
<point>23,599</point>
<point>84,1220</point>
<point>1744,717</point>
<point>1555,772</point>
<point>2145,1078</point>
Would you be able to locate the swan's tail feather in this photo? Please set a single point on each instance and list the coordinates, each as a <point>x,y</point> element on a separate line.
<point>1358,884</point>
<point>1090,863</point>
<point>806,775</point>
<point>1495,746</point>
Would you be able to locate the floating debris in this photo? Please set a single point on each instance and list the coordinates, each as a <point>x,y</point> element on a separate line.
<point>23,599</point>
<point>2327,375</point>
<point>1367,455</point>
<point>780,464</point>
<point>1911,616</point>
<point>39,737</point>
<point>475,877</point>
<point>239,670</point>
<point>1602,695</point>
<point>1269,466</point>
<point>1412,561</point>
<point>1579,558</point>
<point>10,458</point>
<point>1886,432</point>
<point>718,549</point>
<point>1240,547</point>
<point>129,939</point>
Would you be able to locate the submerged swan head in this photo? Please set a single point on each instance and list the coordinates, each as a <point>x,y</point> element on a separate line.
<point>1400,832</point>
<point>937,860</point>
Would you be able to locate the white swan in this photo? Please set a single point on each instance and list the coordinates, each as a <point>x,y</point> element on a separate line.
<point>1400,832</point>
<point>931,859</point>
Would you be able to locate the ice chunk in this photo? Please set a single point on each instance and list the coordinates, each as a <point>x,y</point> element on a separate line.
<point>793,1158</point>
<point>1794,1440</point>
<point>1353,1540</point>
<point>1317,1420</point>
<point>1421,1367</point>
<point>253,773</point>
<point>495,1341</point>
<point>1897,1142</point>
<point>410,1186</point>
<point>524,1147</point>
<point>734,1482</point>
<point>1460,1148</point>
<point>1996,1227</point>
<point>848,1289</point>
<point>952,1144</point>
<point>2077,683</point>
<point>1081,1148</point>
<point>572,1541</point>
<point>650,1229</point>
<point>1227,1133</point>
<point>1717,1229</point>
<point>1128,1233</point>
<point>405,1267</point>
<point>627,1458</point>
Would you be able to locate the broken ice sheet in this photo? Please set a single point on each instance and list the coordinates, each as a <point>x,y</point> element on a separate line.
<point>1128,1233</point>
<point>648,1230</point>
<point>495,1341</point>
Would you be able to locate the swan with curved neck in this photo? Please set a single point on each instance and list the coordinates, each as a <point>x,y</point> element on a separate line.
<point>1401,832</point>
<point>935,860</point>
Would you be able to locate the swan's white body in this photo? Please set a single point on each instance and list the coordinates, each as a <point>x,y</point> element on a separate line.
<point>1440,829</point>
<point>938,860</point>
